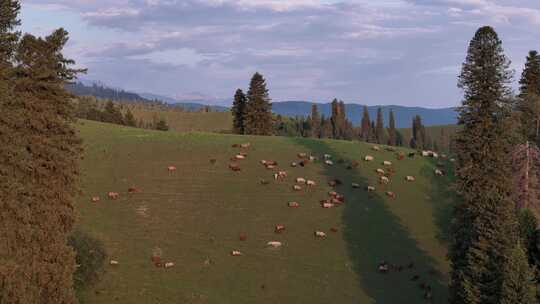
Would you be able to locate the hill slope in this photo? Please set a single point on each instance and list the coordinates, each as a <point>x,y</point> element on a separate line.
<point>196,214</point>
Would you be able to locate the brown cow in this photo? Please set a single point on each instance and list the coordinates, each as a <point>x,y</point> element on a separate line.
<point>234,167</point>
<point>171,168</point>
<point>113,195</point>
<point>293,205</point>
<point>95,199</point>
<point>134,190</point>
<point>279,228</point>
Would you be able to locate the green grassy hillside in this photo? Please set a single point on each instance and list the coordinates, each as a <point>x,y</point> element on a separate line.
<point>190,121</point>
<point>195,215</point>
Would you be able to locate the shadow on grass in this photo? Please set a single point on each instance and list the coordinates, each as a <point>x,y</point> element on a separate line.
<point>373,233</point>
<point>442,196</point>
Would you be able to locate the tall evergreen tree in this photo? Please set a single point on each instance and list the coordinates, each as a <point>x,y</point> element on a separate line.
<point>517,286</point>
<point>326,128</point>
<point>365,126</point>
<point>372,134</point>
<point>379,128</point>
<point>9,11</point>
<point>484,228</point>
<point>391,129</point>
<point>529,98</point>
<point>38,171</point>
<point>259,109</point>
<point>238,110</point>
<point>315,122</point>
<point>335,119</point>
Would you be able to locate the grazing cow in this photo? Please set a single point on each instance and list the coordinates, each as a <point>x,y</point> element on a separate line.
<point>332,183</point>
<point>274,244</point>
<point>294,164</point>
<point>312,158</point>
<point>401,156</point>
<point>434,155</point>
<point>243,237</point>
<point>169,264</point>
<point>376,148</point>
<point>383,267</point>
<point>236,145</point>
<point>279,228</point>
<point>133,190</point>
<point>171,168</point>
<point>239,157</point>
<point>113,262</point>
<point>425,153</point>
<point>332,193</point>
<point>157,261</point>
<point>320,234</point>
<point>327,205</point>
<point>245,146</point>
<point>387,163</point>
<point>300,180</point>
<point>439,172</point>
<point>311,183</point>
<point>384,180</point>
<point>113,195</point>
<point>270,167</point>
<point>234,167</point>
<point>380,171</point>
<point>236,253</point>
<point>370,188</point>
<point>297,188</point>
<point>302,155</point>
<point>452,160</point>
<point>95,199</point>
<point>293,204</point>
<point>369,158</point>
<point>412,154</point>
<point>329,162</point>
<point>355,185</point>
<point>327,156</point>
<point>390,194</point>
<point>410,178</point>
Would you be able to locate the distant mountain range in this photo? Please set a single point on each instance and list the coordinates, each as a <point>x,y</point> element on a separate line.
<point>403,115</point>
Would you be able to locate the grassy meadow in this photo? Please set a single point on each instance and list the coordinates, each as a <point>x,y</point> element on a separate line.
<point>196,214</point>
<point>189,121</point>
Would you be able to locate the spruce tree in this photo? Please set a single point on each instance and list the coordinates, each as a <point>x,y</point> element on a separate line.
<point>39,172</point>
<point>342,120</point>
<point>326,128</point>
<point>379,128</point>
<point>315,122</point>
<point>259,109</point>
<point>529,98</point>
<point>162,125</point>
<point>517,278</point>
<point>239,112</point>
<point>391,129</point>
<point>365,126</point>
<point>335,119</point>
<point>484,227</point>
<point>372,134</point>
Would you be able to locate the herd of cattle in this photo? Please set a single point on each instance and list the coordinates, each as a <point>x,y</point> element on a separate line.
<point>334,199</point>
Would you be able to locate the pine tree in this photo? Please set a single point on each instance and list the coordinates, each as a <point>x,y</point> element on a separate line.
<point>38,171</point>
<point>239,112</point>
<point>315,122</point>
<point>379,128</point>
<point>517,278</point>
<point>342,120</point>
<point>529,98</point>
<point>9,11</point>
<point>129,119</point>
<point>484,227</point>
<point>365,132</point>
<point>112,114</point>
<point>392,129</point>
<point>259,109</point>
<point>335,119</point>
<point>326,128</point>
<point>373,133</point>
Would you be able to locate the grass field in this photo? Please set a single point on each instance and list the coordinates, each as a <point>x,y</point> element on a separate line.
<point>190,121</point>
<point>196,214</point>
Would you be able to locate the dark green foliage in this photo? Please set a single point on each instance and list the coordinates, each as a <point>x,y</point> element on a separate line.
<point>419,138</point>
<point>529,236</point>
<point>392,137</point>
<point>259,109</point>
<point>112,114</point>
<point>9,10</point>
<point>315,122</point>
<point>39,168</point>
<point>90,258</point>
<point>380,136</point>
<point>529,98</point>
<point>485,226</point>
<point>238,110</point>
<point>162,125</point>
<point>326,128</point>
<point>365,132</point>
<point>518,278</point>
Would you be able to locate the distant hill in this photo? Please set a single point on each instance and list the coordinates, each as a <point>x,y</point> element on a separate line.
<point>403,115</point>
<point>190,105</point>
<point>101,91</point>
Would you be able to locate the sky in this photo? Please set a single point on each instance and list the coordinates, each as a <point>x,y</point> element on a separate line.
<point>374,52</point>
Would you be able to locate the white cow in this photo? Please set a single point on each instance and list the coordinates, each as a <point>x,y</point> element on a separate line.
<point>369,158</point>
<point>274,244</point>
<point>320,234</point>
